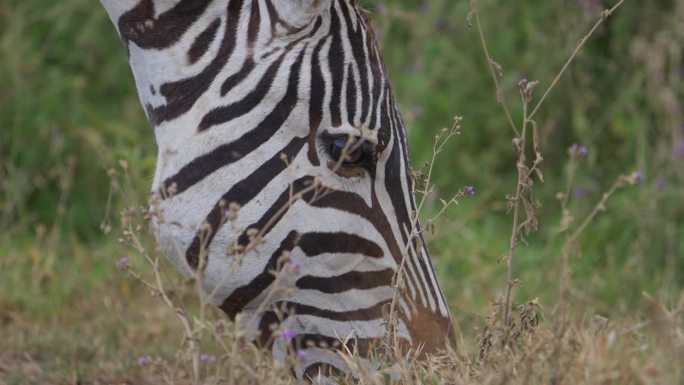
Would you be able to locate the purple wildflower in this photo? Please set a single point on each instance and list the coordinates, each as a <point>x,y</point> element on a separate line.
<point>207,359</point>
<point>638,177</point>
<point>144,361</point>
<point>578,150</point>
<point>680,149</point>
<point>300,355</point>
<point>218,326</point>
<point>382,9</point>
<point>122,263</point>
<point>289,334</point>
<point>661,184</point>
<point>296,265</point>
<point>579,193</point>
<point>470,190</point>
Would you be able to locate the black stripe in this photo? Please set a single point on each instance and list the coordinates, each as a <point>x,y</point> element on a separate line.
<point>361,280</point>
<point>227,113</point>
<point>243,295</point>
<point>354,204</point>
<point>338,200</point>
<point>357,44</point>
<point>396,193</point>
<point>316,96</point>
<point>241,193</point>
<point>238,77</point>
<point>273,215</point>
<point>392,182</point>
<point>249,64</point>
<point>375,65</point>
<point>271,320</point>
<point>181,95</point>
<point>275,20</point>
<point>201,44</point>
<point>254,24</point>
<point>202,166</point>
<point>312,372</point>
<point>139,25</point>
<point>318,243</point>
<point>336,60</point>
<point>366,314</point>
<point>351,95</point>
<point>363,345</point>
<point>424,260</point>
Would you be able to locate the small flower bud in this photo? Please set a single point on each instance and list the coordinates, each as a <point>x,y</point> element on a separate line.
<point>470,190</point>
<point>638,177</point>
<point>122,263</point>
<point>207,359</point>
<point>289,334</point>
<point>680,149</point>
<point>144,361</point>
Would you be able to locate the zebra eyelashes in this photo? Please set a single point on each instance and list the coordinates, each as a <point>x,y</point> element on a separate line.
<point>349,155</point>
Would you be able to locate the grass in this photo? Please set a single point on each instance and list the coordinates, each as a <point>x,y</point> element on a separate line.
<point>69,113</point>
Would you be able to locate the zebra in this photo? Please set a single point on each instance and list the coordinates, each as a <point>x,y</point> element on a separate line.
<point>280,144</point>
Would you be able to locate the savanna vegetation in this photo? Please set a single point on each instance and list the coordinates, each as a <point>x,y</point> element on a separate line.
<point>590,183</point>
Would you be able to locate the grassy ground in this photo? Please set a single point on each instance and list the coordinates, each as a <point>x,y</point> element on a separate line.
<point>69,113</point>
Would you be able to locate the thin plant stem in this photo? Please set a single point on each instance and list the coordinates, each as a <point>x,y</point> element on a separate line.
<point>513,243</point>
<point>600,206</point>
<point>398,281</point>
<point>604,15</point>
<point>490,64</point>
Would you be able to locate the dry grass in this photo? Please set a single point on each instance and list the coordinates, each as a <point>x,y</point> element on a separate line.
<point>557,348</point>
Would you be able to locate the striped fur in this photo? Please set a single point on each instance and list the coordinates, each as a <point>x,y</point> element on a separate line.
<point>244,96</point>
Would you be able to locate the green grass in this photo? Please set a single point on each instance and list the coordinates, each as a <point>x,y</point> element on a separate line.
<point>69,112</point>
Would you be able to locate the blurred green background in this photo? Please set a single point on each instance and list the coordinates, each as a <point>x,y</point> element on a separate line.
<point>69,112</point>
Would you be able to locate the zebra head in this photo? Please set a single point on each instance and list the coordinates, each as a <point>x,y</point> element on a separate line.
<point>283,172</point>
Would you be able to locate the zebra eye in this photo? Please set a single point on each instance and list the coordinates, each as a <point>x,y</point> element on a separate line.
<point>350,153</point>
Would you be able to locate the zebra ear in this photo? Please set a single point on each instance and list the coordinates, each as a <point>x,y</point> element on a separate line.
<point>299,13</point>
